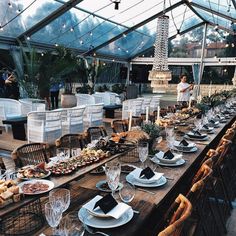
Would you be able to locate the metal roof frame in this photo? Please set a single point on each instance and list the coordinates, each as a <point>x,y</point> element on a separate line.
<point>55,14</point>
<point>227,17</point>
<point>133,28</point>
<point>172,37</point>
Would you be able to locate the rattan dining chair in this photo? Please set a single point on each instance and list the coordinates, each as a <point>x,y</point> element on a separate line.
<point>119,126</point>
<point>94,133</point>
<point>177,214</point>
<point>71,141</point>
<point>202,221</point>
<point>30,154</point>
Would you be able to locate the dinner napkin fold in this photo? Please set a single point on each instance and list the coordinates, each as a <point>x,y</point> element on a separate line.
<point>205,126</point>
<point>184,143</point>
<point>116,212</point>
<point>147,173</point>
<point>136,174</point>
<point>168,155</point>
<point>106,204</point>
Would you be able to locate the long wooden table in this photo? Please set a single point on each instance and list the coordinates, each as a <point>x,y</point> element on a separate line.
<point>151,207</point>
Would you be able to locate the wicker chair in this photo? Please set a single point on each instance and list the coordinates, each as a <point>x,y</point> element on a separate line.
<point>198,195</point>
<point>94,133</point>
<point>119,126</point>
<point>30,154</point>
<point>71,141</point>
<point>177,214</point>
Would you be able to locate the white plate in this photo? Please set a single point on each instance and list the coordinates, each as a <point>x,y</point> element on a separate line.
<point>178,163</point>
<point>98,186</point>
<point>32,166</point>
<point>193,149</point>
<point>104,223</point>
<point>158,183</point>
<point>182,147</point>
<point>48,182</point>
<point>136,173</point>
<point>198,139</point>
<point>160,155</point>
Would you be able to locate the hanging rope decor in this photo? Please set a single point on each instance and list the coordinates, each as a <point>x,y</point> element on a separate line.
<point>160,74</point>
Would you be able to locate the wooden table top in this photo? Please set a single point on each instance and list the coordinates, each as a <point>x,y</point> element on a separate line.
<point>146,203</point>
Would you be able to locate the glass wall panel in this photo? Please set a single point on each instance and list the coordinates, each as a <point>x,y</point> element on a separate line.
<point>16,16</point>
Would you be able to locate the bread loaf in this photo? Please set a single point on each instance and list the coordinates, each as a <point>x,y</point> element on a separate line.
<point>6,195</point>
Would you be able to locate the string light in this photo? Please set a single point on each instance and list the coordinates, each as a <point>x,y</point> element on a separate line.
<point>28,38</point>
<point>71,29</point>
<point>124,35</point>
<point>56,45</point>
<point>215,56</point>
<point>94,54</point>
<point>127,51</point>
<point>91,34</point>
<point>232,45</point>
<point>227,45</point>
<point>64,26</point>
<point>42,54</point>
<point>10,5</point>
<point>119,48</point>
<point>18,11</point>
<point>81,42</point>
<point>1,28</point>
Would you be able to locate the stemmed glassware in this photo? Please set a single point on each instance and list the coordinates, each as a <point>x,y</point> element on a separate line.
<point>53,216</point>
<point>198,124</point>
<point>61,195</point>
<point>112,170</point>
<point>143,152</point>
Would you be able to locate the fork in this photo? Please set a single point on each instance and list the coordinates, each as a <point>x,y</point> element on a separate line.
<point>93,231</point>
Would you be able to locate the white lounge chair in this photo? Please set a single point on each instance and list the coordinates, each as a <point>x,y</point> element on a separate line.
<point>93,115</point>
<point>9,108</point>
<point>44,126</point>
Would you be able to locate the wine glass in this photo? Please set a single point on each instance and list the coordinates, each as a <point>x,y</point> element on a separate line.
<point>112,171</point>
<point>127,193</point>
<point>53,216</point>
<point>61,195</point>
<point>143,152</point>
<point>71,225</point>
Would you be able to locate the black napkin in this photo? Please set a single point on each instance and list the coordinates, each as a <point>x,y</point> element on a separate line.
<point>184,143</point>
<point>197,133</point>
<point>205,126</point>
<point>168,155</point>
<point>218,116</point>
<point>107,203</point>
<point>212,121</point>
<point>147,172</point>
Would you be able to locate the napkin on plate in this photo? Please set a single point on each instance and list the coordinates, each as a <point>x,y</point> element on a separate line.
<point>147,173</point>
<point>136,174</point>
<point>160,156</point>
<point>115,212</point>
<point>168,155</point>
<point>183,143</point>
<point>106,204</point>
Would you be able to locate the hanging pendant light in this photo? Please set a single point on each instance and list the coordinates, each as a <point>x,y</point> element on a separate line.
<point>160,74</point>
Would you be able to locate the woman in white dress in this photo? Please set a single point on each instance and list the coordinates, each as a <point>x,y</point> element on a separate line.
<point>183,91</point>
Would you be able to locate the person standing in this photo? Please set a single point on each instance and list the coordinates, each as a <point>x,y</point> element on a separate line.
<point>183,91</point>
<point>12,87</point>
<point>54,93</point>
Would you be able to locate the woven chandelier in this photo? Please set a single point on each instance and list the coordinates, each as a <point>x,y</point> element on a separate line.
<point>160,74</point>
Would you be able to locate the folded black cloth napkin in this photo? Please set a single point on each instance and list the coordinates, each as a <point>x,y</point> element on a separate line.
<point>197,133</point>
<point>205,126</point>
<point>168,155</point>
<point>147,172</point>
<point>212,121</point>
<point>107,203</point>
<point>184,143</point>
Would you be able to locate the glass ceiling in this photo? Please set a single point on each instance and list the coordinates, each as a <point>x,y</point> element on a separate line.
<point>90,27</point>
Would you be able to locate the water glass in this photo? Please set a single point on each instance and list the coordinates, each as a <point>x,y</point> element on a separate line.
<point>71,225</point>
<point>112,171</point>
<point>127,193</point>
<point>63,153</point>
<point>169,131</point>
<point>61,195</point>
<point>53,216</point>
<point>75,152</point>
<point>143,151</point>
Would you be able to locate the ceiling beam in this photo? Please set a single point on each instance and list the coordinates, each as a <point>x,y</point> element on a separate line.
<point>172,37</point>
<point>205,20</point>
<point>234,3</point>
<point>61,10</point>
<point>228,17</point>
<point>134,27</point>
